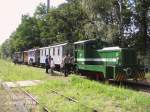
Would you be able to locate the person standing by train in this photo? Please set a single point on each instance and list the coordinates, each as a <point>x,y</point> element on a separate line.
<point>50,58</point>
<point>66,63</point>
<point>52,66</point>
<point>47,66</point>
<point>71,64</point>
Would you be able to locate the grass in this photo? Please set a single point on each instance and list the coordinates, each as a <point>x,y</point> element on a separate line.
<point>104,98</point>
<point>11,72</point>
<point>101,97</point>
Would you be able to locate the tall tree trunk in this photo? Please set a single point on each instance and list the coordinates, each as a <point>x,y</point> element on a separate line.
<point>144,24</point>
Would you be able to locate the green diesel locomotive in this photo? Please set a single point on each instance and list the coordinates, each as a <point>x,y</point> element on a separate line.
<point>107,63</point>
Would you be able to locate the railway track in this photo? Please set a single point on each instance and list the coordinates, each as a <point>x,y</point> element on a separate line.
<point>23,101</point>
<point>74,100</point>
<point>135,85</point>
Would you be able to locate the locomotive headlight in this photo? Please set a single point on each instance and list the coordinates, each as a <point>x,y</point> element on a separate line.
<point>128,71</point>
<point>146,69</point>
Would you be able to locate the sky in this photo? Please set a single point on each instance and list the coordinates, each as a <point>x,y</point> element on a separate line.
<point>11,11</point>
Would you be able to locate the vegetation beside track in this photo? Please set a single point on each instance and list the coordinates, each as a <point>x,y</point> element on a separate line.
<point>100,97</point>
<point>11,72</point>
<point>103,98</point>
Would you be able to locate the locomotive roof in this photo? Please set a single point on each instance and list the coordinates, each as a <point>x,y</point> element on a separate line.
<point>117,48</point>
<point>110,49</point>
<point>85,41</point>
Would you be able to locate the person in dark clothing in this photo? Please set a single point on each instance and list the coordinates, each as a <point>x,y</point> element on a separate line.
<point>47,63</point>
<point>50,58</point>
<point>66,63</point>
<point>71,64</point>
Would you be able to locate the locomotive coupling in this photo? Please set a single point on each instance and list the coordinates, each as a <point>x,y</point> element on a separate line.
<point>128,71</point>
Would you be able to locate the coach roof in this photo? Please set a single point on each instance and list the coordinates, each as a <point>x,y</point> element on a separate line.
<point>57,45</point>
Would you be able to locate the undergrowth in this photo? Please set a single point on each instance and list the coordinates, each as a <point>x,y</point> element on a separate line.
<point>96,96</point>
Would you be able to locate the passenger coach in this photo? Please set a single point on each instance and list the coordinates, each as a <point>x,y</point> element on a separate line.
<point>25,57</point>
<point>57,52</point>
<point>34,56</point>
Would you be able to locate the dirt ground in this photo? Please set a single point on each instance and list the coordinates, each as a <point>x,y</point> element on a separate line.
<point>57,76</point>
<point>14,101</point>
<point>6,104</point>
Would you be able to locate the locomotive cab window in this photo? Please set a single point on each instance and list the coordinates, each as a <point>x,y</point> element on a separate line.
<point>91,45</point>
<point>80,46</point>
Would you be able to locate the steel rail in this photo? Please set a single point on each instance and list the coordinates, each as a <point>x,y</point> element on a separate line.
<point>29,95</point>
<point>19,89</point>
<point>135,85</point>
<point>74,100</point>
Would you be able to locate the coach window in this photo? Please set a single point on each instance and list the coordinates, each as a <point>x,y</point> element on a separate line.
<point>45,52</point>
<point>49,52</point>
<point>58,51</point>
<point>53,51</point>
<point>41,52</point>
